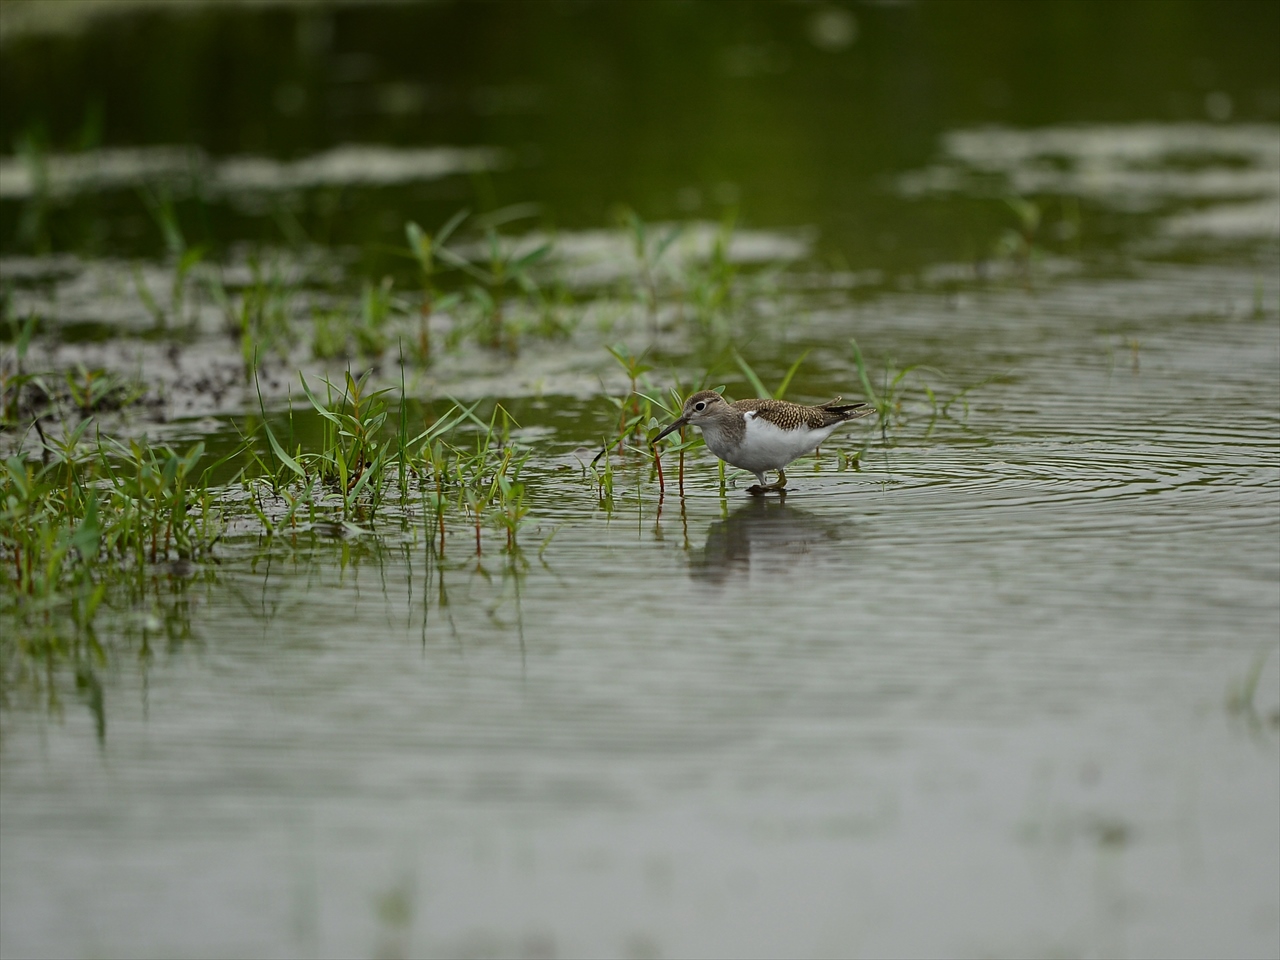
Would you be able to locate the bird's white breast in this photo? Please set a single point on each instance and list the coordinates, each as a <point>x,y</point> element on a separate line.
<point>766,446</point>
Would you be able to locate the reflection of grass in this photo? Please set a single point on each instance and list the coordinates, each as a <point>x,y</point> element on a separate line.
<point>1242,695</point>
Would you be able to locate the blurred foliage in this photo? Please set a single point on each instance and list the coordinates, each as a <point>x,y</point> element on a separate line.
<point>788,113</point>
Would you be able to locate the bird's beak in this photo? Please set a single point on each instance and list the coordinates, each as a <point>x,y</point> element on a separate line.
<point>675,425</point>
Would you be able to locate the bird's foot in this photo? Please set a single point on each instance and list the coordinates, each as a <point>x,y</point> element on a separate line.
<point>778,486</point>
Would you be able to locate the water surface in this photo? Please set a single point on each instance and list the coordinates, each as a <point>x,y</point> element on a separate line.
<point>987,694</point>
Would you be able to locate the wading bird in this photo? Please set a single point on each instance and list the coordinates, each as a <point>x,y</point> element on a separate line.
<point>761,435</point>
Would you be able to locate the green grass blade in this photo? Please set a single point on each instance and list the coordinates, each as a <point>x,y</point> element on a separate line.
<point>446,231</point>
<point>756,383</point>
<point>862,373</point>
<point>786,381</point>
<point>287,460</point>
<point>319,407</point>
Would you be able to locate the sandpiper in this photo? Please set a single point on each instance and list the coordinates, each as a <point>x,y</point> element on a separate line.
<point>761,435</point>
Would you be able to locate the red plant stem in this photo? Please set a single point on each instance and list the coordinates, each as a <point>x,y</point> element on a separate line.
<point>657,462</point>
<point>682,461</point>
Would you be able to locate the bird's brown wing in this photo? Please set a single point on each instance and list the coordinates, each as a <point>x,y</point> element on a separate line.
<point>789,416</point>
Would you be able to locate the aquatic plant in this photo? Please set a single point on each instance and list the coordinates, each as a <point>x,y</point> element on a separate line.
<point>648,254</point>
<point>330,334</point>
<point>260,317</point>
<point>375,311</point>
<point>758,385</point>
<point>504,269</point>
<point>184,257</point>
<point>27,396</point>
<point>887,398</point>
<point>635,409</point>
<point>708,286</point>
<point>15,380</point>
<point>425,249</point>
<point>32,145</point>
<point>486,480</point>
<point>156,511</point>
<point>83,524</point>
<point>361,459</point>
<point>98,389</point>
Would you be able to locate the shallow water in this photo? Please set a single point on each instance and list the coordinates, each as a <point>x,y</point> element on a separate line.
<point>987,694</point>
<point>971,697</point>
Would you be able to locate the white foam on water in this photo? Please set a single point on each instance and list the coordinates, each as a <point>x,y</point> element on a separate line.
<point>589,258</point>
<point>1132,167</point>
<point>120,168</point>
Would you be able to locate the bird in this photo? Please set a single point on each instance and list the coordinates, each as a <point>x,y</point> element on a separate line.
<point>763,435</point>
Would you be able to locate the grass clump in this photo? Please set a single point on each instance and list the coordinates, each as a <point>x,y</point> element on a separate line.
<point>79,529</point>
<point>88,521</point>
<point>367,459</point>
<point>425,249</point>
<point>27,396</point>
<point>260,316</point>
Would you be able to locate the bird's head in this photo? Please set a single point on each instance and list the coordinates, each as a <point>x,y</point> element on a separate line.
<point>698,409</point>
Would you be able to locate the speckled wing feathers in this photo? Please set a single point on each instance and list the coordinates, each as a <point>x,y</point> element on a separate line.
<point>789,415</point>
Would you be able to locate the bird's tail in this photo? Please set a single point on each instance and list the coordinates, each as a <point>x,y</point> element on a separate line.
<point>849,411</point>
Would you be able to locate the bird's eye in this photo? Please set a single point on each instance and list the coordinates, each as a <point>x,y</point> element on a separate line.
<point>699,405</point>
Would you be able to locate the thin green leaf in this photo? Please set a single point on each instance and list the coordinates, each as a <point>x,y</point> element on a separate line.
<point>465,265</point>
<point>786,381</point>
<point>756,383</point>
<point>530,258</point>
<point>444,232</point>
<point>862,373</point>
<point>319,407</point>
<point>287,460</point>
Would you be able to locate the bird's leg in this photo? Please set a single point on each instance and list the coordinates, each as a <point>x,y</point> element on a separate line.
<point>780,484</point>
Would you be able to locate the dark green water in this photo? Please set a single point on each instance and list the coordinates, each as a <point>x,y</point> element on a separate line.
<point>980,696</point>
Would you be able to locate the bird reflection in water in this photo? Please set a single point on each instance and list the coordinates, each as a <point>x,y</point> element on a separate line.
<point>769,538</point>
